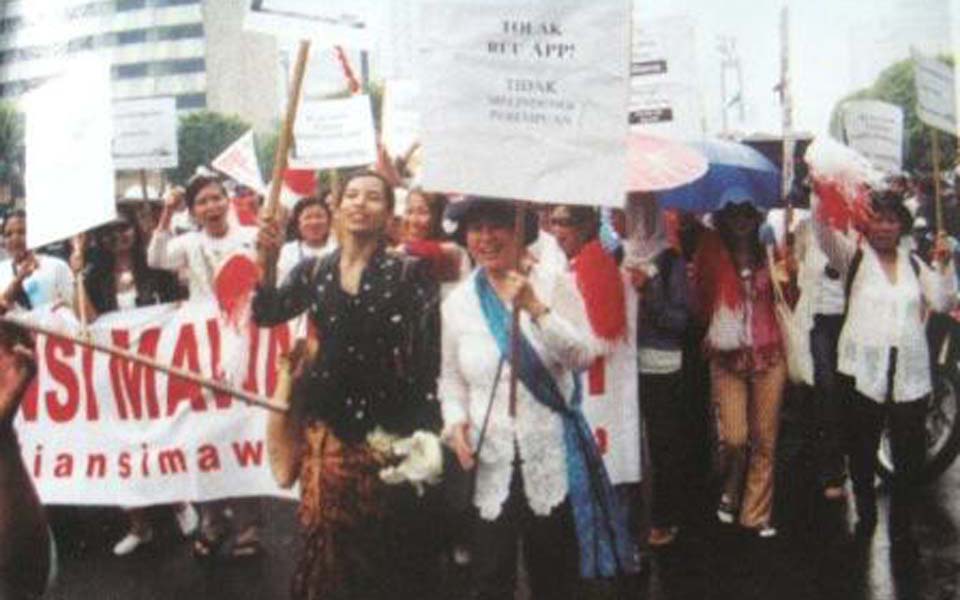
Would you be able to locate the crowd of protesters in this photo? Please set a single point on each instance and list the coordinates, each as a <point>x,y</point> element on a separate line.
<point>417,332</point>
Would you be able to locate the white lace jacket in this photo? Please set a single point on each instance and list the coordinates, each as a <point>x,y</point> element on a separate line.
<point>563,340</point>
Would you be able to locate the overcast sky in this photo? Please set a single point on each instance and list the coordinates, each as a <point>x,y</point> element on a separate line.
<point>837,46</point>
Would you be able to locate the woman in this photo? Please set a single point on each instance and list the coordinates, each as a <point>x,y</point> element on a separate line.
<point>747,368</point>
<point>539,475</point>
<point>310,230</point>
<point>423,237</point>
<point>886,368</point>
<point>28,280</point>
<point>198,256</point>
<point>659,275</point>
<point>117,277</point>
<point>377,315</point>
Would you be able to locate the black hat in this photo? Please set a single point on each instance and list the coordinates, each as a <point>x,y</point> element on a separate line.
<point>889,200</point>
<point>472,208</point>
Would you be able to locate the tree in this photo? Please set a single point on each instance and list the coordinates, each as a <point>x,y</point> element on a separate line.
<point>895,85</point>
<point>11,152</point>
<point>201,137</point>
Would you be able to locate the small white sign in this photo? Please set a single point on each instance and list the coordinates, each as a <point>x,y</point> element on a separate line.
<point>348,23</point>
<point>401,116</point>
<point>527,99</point>
<point>875,130</point>
<point>936,100</point>
<point>239,161</point>
<point>145,134</point>
<point>331,134</point>
<point>69,165</point>
<point>665,109</point>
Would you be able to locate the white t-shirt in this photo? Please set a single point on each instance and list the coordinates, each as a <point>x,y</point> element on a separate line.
<point>293,252</point>
<point>199,256</point>
<point>51,282</point>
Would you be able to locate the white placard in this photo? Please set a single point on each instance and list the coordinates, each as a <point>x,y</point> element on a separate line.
<point>664,99</point>
<point>875,130</point>
<point>402,121</point>
<point>145,133</point>
<point>239,161</point>
<point>665,109</point>
<point>526,99</point>
<point>936,100</point>
<point>400,45</point>
<point>69,165</point>
<point>348,23</point>
<point>331,134</point>
<point>664,50</point>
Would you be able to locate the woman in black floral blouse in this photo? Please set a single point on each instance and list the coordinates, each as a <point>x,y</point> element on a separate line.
<point>376,314</point>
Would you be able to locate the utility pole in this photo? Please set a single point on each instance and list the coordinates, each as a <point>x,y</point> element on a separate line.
<point>730,59</point>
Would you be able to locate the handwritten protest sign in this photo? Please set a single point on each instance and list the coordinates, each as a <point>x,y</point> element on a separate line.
<point>875,130</point>
<point>936,100</point>
<point>145,133</point>
<point>239,161</point>
<point>526,99</point>
<point>97,429</point>
<point>334,133</point>
<point>332,22</point>
<point>69,165</point>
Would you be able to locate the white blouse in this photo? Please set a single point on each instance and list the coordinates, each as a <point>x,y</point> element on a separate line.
<point>199,256</point>
<point>470,359</point>
<point>293,252</point>
<point>883,315</point>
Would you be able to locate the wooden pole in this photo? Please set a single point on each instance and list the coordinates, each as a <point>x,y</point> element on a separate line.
<point>519,231</point>
<point>938,203</point>
<point>143,186</point>
<point>216,386</point>
<point>268,260</point>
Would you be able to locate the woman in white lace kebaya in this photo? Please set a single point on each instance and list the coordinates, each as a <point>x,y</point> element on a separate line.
<point>537,477</point>
<point>883,352</point>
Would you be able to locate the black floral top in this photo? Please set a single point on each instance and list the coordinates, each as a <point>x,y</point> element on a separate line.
<point>379,355</point>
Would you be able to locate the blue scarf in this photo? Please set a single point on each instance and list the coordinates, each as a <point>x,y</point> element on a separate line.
<point>601,524</point>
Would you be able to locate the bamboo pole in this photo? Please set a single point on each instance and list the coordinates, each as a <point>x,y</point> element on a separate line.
<point>268,260</point>
<point>938,203</point>
<point>216,386</point>
<point>519,231</point>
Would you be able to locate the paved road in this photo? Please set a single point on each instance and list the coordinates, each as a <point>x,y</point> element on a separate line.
<point>810,560</point>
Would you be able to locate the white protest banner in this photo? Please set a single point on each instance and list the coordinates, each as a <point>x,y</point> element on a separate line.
<point>69,165</point>
<point>145,133</point>
<point>525,99</point>
<point>348,23</point>
<point>936,100</point>
<point>97,429</point>
<point>239,161</point>
<point>401,116</point>
<point>875,130</point>
<point>664,99</point>
<point>331,134</point>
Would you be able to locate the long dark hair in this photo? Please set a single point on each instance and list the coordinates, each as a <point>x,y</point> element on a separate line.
<point>721,221</point>
<point>152,286</point>
<point>436,204</point>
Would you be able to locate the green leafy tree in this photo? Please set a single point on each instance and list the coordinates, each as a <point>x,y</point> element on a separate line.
<point>201,137</point>
<point>895,85</point>
<point>11,151</point>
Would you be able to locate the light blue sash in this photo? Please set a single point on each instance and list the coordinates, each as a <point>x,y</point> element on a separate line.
<point>600,522</point>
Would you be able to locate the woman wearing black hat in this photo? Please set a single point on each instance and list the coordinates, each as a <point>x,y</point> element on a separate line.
<point>538,475</point>
<point>883,352</point>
